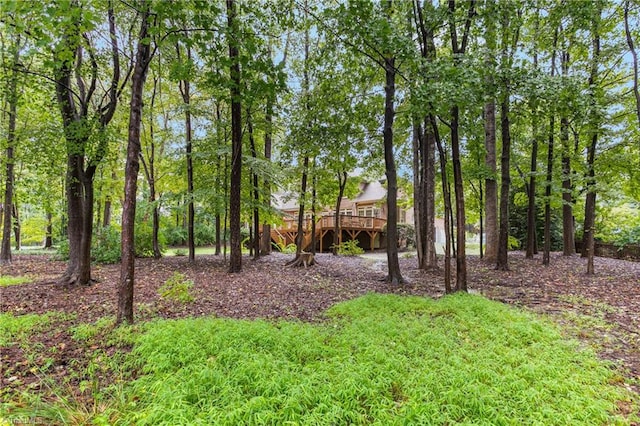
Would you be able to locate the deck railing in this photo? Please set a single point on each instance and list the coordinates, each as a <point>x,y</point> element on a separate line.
<point>328,222</point>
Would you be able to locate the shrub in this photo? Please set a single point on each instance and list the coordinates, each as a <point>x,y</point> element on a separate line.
<point>350,248</point>
<point>174,235</point>
<point>105,246</point>
<point>62,251</point>
<point>407,234</point>
<point>284,248</point>
<point>144,240</point>
<point>177,288</point>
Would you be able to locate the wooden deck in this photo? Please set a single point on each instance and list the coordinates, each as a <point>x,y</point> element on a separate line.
<point>365,229</point>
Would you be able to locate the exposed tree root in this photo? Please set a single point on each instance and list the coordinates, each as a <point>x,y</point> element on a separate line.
<point>304,259</point>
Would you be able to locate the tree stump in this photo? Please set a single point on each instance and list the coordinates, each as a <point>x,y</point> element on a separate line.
<point>304,259</point>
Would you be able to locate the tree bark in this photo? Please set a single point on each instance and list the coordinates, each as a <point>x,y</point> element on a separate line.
<point>12,98</point>
<point>127,266</point>
<point>590,202</point>
<point>235,259</point>
<point>75,114</point>
<point>447,207</point>
<point>265,243</point>
<point>531,208</point>
<point>547,195</point>
<point>394,277</point>
<point>502,260</point>
<point>568,231</point>
<point>342,183</point>
<point>255,243</point>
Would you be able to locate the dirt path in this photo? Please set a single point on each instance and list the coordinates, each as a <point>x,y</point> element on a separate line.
<point>604,309</point>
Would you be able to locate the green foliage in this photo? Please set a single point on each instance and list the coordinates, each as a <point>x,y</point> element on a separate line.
<point>33,230</point>
<point>174,235</point>
<point>6,280</point>
<point>62,251</point>
<point>17,328</point>
<point>349,248</point>
<point>282,247</point>
<point>407,233</point>
<point>105,245</point>
<point>177,288</point>
<point>180,252</point>
<point>87,332</point>
<point>380,359</point>
<point>144,240</point>
<point>513,243</point>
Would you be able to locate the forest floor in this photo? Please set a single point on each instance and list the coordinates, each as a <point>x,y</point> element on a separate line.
<point>601,310</point>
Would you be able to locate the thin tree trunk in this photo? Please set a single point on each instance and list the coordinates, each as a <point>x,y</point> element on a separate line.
<point>590,203</point>
<point>48,240</point>
<point>235,260</point>
<point>546,257</point>
<point>568,231</point>
<point>393,263</point>
<point>342,183</point>
<point>461,258</point>
<point>12,95</point>
<point>16,226</point>
<point>502,261</point>
<point>127,266</point>
<point>265,244</point>
<point>314,201</point>
<point>303,191</point>
<point>447,207</point>
<point>531,209</point>
<point>255,242</point>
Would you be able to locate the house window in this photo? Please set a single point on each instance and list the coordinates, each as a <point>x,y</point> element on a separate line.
<point>346,212</point>
<point>369,211</point>
<point>402,216</point>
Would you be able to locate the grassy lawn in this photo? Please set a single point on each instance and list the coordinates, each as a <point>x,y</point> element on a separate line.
<point>378,359</point>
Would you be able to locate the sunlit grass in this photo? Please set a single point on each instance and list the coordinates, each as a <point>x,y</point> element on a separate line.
<point>377,360</point>
<point>7,280</point>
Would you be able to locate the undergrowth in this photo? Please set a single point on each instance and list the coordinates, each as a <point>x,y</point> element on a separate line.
<point>378,359</point>
<point>7,280</point>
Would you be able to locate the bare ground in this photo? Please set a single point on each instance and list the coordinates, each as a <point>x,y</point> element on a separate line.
<point>603,310</point>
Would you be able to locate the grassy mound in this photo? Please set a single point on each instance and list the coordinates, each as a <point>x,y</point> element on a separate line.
<point>379,359</point>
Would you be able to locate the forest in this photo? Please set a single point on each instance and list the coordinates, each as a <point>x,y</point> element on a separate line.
<point>132,127</point>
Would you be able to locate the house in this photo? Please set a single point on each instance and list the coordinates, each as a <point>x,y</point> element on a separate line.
<point>362,218</point>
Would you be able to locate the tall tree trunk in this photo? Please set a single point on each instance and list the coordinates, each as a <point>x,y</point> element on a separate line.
<point>255,243</point>
<point>502,260</point>
<point>459,49</point>
<point>547,199</point>
<point>590,203</point>
<point>447,207</point>
<point>430,254</point>
<point>235,259</point>
<point>568,231</point>
<point>531,209</point>
<point>394,276</point>
<point>301,209</point>
<point>490,182</point>
<point>342,183</point>
<point>185,91</point>
<point>461,258</point>
<point>12,98</point>
<point>418,195</point>
<point>265,243</point>
<point>219,186</point>
<point>74,109</point>
<point>150,173</point>
<point>127,266</point>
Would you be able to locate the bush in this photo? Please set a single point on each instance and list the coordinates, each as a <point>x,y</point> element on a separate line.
<point>284,248</point>
<point>349,248</point>
<point>406,234</point>
<point>62,251</point>
<point>177,288</point>
<point>105,246</point>
<point>175,235</point>
<point>144,240</point>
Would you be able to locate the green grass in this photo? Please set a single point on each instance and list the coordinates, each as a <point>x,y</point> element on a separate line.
<point>7,280</point>
<point>378,359</point>
<point>14,329</point>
